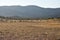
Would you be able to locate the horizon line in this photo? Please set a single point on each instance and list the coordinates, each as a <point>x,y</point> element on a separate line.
<point>27,5</point>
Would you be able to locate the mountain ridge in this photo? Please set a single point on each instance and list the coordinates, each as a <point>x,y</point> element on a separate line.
<point>30,11</point>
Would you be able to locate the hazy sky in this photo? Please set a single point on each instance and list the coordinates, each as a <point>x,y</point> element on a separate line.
<point>42,3</point>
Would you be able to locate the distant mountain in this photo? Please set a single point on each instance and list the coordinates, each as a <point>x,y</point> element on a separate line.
<point>30,11</point>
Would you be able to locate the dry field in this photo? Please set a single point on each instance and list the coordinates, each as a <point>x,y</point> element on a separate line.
<point>30,30</point>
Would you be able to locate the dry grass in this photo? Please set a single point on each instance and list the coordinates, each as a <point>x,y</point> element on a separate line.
<point>30,30</point>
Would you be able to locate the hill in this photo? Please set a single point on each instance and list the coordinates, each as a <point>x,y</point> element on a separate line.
<point>30,11</point>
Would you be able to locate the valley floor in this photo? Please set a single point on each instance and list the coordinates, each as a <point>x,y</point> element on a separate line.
<point>30,30</point>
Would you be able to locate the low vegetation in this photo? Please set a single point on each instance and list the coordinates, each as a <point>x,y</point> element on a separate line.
<point>30,29</point>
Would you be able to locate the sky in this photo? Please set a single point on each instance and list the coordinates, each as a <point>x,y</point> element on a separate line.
<point>41,3</point>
